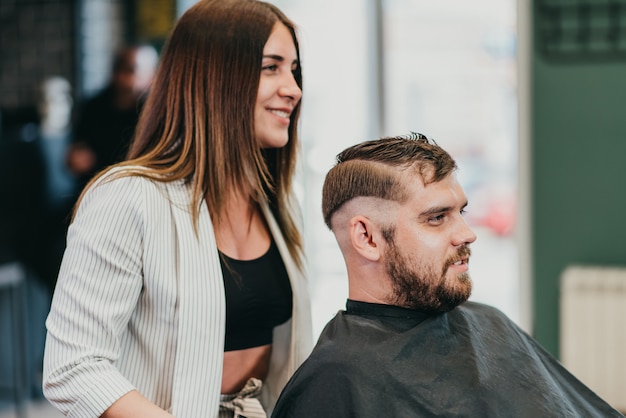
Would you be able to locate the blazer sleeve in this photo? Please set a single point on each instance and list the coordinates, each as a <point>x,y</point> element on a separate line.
<point>99,283</point>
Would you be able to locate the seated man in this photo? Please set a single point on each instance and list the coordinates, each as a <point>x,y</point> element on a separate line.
<point>409,344</point>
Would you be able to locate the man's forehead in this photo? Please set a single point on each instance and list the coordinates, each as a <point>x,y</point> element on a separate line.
<point>446,192</point>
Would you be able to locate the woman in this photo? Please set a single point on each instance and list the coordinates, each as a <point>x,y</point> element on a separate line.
<point>181,290</point>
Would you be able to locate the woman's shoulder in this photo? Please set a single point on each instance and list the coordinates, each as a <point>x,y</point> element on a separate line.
<point>137,177</point>
<point>134,185</point>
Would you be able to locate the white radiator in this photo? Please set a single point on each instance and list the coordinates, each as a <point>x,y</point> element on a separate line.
<point>593,329</point>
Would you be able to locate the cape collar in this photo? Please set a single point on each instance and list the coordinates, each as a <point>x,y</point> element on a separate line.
<point>380,310</point>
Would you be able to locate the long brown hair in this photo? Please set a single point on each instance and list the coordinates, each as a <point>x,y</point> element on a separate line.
<point>198,121</point>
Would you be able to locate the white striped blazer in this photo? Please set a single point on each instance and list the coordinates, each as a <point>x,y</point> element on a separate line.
<point>139,304</point>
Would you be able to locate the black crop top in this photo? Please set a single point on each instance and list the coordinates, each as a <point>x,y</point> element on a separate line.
<point>258,298</point>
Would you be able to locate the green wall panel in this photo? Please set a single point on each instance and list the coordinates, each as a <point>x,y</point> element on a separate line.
<point>578,176</point>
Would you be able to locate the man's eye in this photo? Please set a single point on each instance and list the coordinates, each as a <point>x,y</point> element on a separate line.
<point>437,219</point>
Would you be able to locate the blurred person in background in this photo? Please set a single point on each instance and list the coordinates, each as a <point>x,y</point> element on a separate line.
<point>182,291</point>
<point>106,122</point>
<point>37,188</point>
<point>55,134</point>
<point>55,107</point>
<point>37,193</point>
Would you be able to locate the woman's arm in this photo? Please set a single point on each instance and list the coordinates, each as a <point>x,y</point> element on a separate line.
<point>97,292</point>
<point>134,405</point>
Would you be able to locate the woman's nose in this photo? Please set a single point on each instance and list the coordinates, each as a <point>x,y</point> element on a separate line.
<point>290,89</point>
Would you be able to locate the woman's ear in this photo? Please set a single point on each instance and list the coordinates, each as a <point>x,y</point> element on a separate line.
<point>365,237</point>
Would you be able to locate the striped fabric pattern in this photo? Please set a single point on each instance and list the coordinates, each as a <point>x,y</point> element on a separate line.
<point>139,304</point>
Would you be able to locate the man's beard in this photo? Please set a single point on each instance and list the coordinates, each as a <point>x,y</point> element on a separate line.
<point>421,287</point>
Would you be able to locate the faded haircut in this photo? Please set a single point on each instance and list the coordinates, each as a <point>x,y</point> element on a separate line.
<point>374,169</point>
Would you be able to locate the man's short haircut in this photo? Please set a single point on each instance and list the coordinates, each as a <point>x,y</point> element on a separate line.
<point>374,168</point>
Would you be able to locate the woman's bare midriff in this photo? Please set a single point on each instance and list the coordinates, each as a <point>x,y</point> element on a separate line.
<point>241,365</point>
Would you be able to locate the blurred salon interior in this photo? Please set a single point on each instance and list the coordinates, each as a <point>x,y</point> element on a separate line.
<point>528,97</point>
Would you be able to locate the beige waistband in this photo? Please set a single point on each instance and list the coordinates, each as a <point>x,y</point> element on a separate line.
<point>245,403</point>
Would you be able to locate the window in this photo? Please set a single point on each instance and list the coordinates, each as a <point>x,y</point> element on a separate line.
<point>446,69</point>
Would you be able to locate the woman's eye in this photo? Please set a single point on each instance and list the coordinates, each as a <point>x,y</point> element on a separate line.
<point>271,67</point>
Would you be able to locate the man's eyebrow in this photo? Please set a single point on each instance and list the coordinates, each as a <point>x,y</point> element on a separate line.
<point>435,210</point>
<point>439,209</point>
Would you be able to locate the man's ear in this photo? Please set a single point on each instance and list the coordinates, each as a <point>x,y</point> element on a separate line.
<point>365,238</point>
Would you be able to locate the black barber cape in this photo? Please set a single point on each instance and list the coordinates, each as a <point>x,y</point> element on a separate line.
<point>385,361</point>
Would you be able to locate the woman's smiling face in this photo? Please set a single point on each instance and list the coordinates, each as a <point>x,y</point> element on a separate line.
<point>279,92</point>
